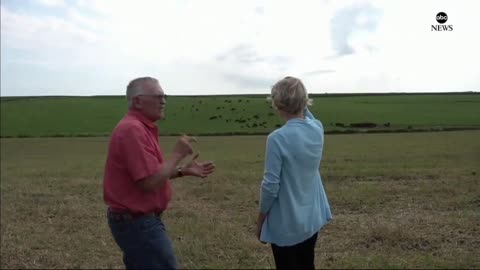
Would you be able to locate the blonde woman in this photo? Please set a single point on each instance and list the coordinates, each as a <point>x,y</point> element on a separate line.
<point>293,204</point>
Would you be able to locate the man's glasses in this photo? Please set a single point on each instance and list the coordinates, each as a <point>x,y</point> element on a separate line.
<point>159,97</point>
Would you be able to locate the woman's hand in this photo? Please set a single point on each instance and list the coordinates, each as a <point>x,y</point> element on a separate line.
<point>258,231</point>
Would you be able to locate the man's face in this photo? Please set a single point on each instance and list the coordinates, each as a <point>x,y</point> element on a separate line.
<point>152,101</point>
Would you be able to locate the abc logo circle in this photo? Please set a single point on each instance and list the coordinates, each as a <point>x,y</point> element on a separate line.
<point>441,17</point>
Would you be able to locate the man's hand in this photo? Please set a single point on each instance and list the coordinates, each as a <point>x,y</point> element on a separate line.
<point>183,147</point>
<point>199,169</point>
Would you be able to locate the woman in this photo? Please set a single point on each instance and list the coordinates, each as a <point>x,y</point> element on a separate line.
<point>293,204</point>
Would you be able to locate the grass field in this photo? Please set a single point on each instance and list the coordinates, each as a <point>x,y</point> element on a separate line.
<point>404,200</point>
<point>96,116</point>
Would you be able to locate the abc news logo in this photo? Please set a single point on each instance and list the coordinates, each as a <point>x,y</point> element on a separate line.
<point>441,19</point>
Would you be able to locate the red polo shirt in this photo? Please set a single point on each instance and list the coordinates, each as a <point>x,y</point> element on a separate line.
<point>133,154</point>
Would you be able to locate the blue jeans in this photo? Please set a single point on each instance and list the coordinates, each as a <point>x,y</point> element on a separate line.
<point>144,242</point>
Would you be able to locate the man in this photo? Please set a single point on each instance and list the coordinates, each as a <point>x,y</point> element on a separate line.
<point>137,178</point>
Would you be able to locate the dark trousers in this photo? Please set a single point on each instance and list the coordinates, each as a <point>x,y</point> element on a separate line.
<point>144,243</point>
<point>299,256</point>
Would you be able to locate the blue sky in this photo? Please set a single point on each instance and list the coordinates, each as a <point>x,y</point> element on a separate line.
<point>94,47</point>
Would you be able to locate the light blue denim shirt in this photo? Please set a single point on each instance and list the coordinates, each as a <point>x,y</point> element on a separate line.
<point>292,193</point>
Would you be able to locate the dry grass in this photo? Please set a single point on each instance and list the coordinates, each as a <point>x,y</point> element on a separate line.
<point>399,201</point>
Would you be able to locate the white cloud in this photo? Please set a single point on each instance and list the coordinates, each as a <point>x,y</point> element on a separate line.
<point>53,3</point>
<point>215,46</point>
<point>353,22</point>
<point>42,33</point>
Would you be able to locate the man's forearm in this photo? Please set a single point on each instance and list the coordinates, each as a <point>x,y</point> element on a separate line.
<point>176,174</point>
<point>167,171</point>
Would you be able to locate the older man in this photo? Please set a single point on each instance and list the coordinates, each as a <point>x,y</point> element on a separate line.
<point>137,178</point>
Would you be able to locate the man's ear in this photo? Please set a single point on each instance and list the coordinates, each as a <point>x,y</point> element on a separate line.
<point>136,104</point>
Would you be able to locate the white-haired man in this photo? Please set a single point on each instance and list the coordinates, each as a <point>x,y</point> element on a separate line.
<point>137,178</point>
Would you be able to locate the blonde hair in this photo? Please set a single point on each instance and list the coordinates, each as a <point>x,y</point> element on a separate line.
<point>289,95</point>
<point>135,87</point>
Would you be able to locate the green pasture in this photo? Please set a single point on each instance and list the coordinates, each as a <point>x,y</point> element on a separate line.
<point>216,115</point>
<point>399,200</point>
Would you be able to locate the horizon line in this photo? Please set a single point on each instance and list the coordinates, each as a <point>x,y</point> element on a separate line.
<point>265,94</point>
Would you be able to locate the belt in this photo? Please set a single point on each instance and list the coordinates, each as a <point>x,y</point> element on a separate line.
<point>124,215</point>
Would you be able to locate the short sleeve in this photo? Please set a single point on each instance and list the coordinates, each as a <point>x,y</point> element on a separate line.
<point>139,153</point>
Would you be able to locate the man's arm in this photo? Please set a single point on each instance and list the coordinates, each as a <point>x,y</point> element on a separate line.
<point>169,168</point>
<point>167,171</point>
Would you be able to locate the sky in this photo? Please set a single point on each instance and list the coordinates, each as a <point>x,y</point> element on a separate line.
<point>204,47</point>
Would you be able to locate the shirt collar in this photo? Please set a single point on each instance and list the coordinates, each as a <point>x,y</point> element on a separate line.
<point>142,118</point>
<point>297,120</point>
